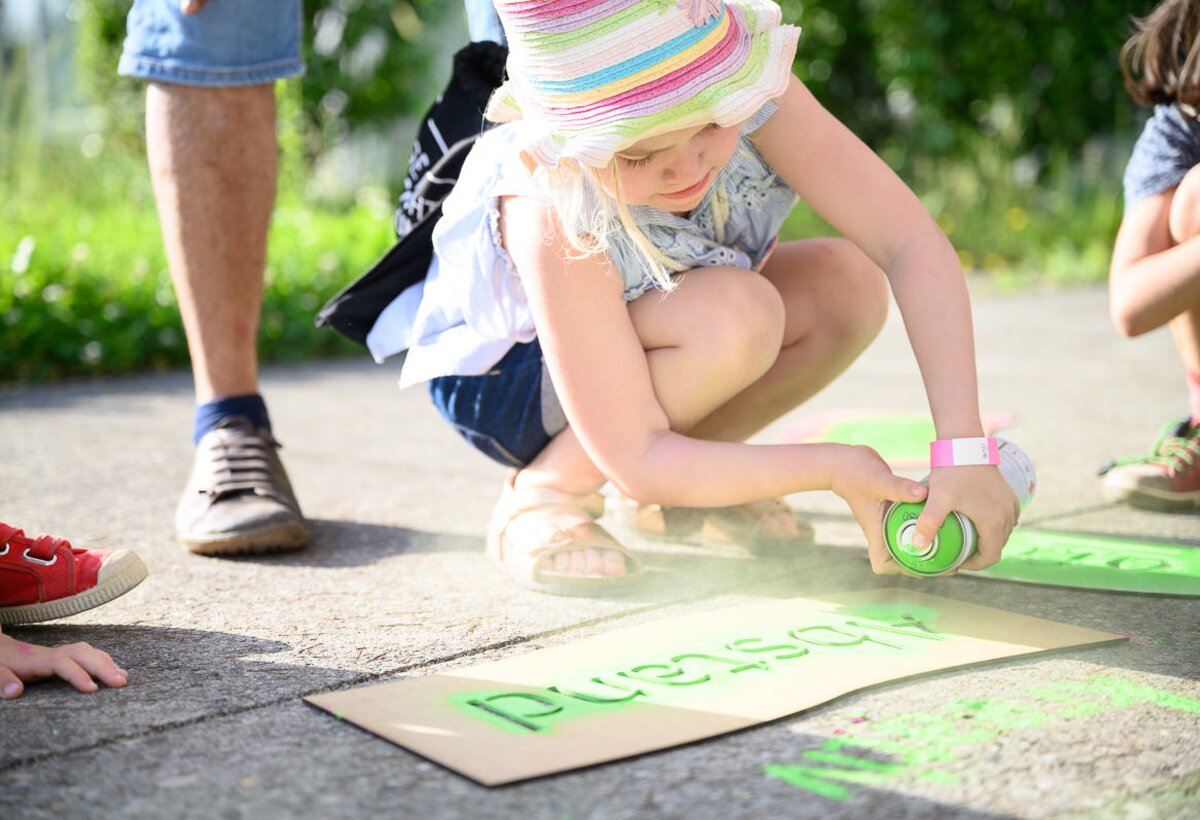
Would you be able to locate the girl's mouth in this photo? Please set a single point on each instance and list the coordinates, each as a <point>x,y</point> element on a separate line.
<point>691,190</point>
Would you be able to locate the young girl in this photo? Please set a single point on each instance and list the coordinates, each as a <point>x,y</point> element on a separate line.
<point>1155,274</point>
<point>608,302</point>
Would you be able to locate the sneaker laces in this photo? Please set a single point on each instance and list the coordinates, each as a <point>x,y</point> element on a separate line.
<point>1179,453</point>
<point>1177,449</point>
<point>241,462</point>
<point>41,548</point>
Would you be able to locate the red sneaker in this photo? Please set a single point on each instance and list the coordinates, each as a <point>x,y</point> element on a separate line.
<point>45,577</point>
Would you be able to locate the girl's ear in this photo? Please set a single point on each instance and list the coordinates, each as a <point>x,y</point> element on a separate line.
<point>528,161</point>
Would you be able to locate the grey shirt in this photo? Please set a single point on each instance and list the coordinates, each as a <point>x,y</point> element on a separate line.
<point>1167,149</point>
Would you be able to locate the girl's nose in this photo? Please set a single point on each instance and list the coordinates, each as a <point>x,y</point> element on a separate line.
<point>686,166</point>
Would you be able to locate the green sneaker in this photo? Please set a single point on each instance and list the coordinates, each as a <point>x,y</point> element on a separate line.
<point>1167,479</point>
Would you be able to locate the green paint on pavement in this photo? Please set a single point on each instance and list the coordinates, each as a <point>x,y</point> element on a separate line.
<point>1075,559</point>
<point>898,438</point>
<point>918,741</point>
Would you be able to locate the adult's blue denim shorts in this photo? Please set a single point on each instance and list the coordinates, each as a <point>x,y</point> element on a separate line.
<point>510,413</point>
<point>227,43</point>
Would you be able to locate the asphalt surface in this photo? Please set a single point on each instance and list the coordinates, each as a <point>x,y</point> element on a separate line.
<point>220,651</point>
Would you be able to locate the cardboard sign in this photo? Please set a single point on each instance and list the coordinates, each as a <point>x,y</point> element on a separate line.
<point>657,685</point>
<point>1076,559</point>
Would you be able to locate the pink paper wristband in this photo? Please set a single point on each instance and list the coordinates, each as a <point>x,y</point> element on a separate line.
<point>963,452</point>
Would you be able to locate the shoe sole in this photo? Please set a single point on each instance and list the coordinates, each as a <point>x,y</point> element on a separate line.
<point>1145,499</point>
<point>286,537</point>
<point>120,577</point>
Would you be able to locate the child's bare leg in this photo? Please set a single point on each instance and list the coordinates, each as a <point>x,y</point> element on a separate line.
<point>1184,225</point>
<point>835,301</point>
<point>719,332</point>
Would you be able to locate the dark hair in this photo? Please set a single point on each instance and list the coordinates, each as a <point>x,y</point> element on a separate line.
<point>1161,61</point>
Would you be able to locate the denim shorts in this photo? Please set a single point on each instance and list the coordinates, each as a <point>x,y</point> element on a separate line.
<point>227,43</point>
<point>510,413</point>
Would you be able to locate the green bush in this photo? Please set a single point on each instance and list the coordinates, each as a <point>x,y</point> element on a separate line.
<point>938,78</point>
<point>85,289</point>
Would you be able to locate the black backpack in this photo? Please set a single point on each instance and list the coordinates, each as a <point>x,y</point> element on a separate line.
<point>445,137</point>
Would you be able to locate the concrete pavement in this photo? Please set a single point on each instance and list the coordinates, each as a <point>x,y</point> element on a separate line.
<point>395,584</point>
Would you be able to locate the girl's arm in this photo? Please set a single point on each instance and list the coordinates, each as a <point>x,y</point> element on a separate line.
<point>603,379</point>
<point>858,194</point>
<point>1151,277</point>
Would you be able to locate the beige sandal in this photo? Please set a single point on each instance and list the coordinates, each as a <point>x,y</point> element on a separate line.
<point>531,526</point>
<point>740,524</point>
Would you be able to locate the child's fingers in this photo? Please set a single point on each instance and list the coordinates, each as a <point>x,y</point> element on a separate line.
<point>870,519</point>
<point>100,665</point>
<point>10,685</point>
<point>905,489</point>
<point>993,533</point>
<point>66,665</point>
<point>928,523</point>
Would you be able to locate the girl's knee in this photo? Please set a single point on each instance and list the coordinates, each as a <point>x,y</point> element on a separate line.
<point>751,314</point>
<point>744,318</point>
<point>1185,207</point>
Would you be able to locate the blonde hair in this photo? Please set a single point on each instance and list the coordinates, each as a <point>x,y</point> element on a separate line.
<point>588,216</point>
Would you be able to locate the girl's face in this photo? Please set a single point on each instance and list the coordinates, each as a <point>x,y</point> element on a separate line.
<point>673,171</point>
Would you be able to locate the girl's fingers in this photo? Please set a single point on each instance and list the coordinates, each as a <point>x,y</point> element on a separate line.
<point>928,523</point>
<point>905,489</point>
<point>99,664</point>
<point>870,519</point>
<point>69,670</point>
<point>10,685</point>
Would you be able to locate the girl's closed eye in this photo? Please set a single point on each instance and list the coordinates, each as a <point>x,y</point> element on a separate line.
<point>635,162</point>
<point>638,162</point>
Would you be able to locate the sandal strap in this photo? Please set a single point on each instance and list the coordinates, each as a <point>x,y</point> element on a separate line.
<point>530,563</point>
<point>566,523</point>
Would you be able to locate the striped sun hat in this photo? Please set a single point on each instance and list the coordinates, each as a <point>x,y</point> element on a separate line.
<point>595,76</point>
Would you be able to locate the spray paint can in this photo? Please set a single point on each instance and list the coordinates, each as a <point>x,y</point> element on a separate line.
<point>955,542</point>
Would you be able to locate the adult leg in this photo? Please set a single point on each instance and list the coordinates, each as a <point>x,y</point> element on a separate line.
<point>210,127</point>
<point>212,161</point>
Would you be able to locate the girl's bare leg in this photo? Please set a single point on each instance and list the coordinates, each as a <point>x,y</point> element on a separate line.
<point>835,302</point>
<point>728,356</point>
<point>710,339</point>
<point>1184,225</point>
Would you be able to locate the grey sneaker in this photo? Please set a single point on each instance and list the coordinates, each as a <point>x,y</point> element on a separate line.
<point>238,500</point>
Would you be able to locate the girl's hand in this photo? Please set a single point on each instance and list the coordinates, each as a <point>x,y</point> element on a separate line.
<point>76,663</point>
<point>867,484</point>
<point>982,495</point>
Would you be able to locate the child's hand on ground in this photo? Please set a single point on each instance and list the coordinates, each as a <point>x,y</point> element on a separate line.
<point>982,495</point>
<point>76,663</point>
<point>867,484</point>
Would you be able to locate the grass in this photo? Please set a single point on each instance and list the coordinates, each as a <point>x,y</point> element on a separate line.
<point>85,284</point>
